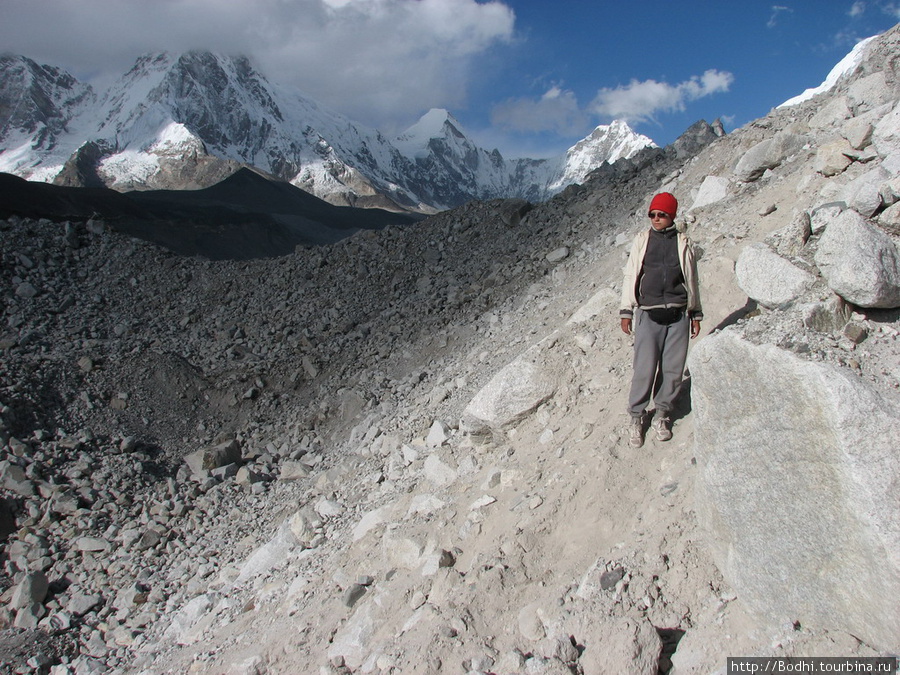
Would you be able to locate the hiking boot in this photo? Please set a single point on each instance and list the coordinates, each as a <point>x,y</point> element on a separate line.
<point>662,426</point>
<point>636,433</point>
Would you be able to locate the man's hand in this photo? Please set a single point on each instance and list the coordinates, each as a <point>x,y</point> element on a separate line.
<point>695,328</point>
<point>626,325</point>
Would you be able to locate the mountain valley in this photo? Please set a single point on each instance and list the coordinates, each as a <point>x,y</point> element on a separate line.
<point>405,451</point>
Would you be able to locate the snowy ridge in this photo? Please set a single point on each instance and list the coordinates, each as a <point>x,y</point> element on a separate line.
<point>845,65</point>
<point>169,115</point>
<point>40,106</point>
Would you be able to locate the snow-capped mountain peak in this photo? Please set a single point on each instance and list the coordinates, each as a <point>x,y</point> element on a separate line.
<point>437,123</point>
<point>186,120</point>
<point>606,143</point>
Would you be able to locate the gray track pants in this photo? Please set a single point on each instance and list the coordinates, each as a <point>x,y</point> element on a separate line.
<point>660,353</point>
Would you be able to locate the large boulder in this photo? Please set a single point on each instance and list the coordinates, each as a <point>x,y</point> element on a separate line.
<point>767,154</point>
<point>859,261</point>
<point>770,279</point>
<point>796,486</point>
<point>513,393</point>
<point>713,189</point>
<point>886,135</point>
<point>863,194</point>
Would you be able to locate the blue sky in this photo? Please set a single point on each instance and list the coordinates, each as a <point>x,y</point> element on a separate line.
<point>605,58</point>
<point>530,77</point>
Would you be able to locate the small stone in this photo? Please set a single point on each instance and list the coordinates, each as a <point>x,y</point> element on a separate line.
<point>353,595</point>
<point>91,544</point>
<point>558,255</point>
<point>610,578</point>
<point>293,470</point>
<point>855,332</point>
<point>212,457</point>
<point>246,476</point>
<point>81,603</point>
<point>438,435</point>
<point>128,444</point>
<point>26,290</point>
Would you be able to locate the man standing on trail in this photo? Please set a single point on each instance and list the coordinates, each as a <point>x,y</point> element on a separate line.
<point>661,307</point>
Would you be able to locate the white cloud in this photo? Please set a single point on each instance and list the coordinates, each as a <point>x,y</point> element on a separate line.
<point>557,110</point>
<point>372,59</point>
<point>891,9</point>
<point>857,9</point>
<point>641,101</point>
<point>777,11</point>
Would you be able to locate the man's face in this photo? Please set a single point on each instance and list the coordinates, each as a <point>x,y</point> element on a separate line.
<point>660,220</point>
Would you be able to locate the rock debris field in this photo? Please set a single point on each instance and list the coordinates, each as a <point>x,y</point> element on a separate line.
<point>404,452</point>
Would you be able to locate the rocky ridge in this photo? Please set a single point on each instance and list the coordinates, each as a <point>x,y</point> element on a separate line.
<point>402,453</point>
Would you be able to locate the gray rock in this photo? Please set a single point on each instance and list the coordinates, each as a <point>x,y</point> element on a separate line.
<point>858,133</point>
<point>14,479</point>
<point>293,470</point>
<point>213,457</point>
<point>91,544</point>
<point>28,617</point>
<point>305,525</point>
<point>620,646</point>
<point>438,435</point>
<point>872,90</point>
<point>831,114</point>
<point>797,465</point>
<point>860,262</point>
<point>770,279</point>
<point>511,211</point>
<point>560,648</point>
<point>890,216</point>
<point>353,595</point>
<point>886,135</point>
<point>713,189</point>
<point>31,590</point>
<point>827,316</point>
<point>80,604</point>
<point>26,290</point>
<point>531,626</point>
<point>438,472</point>
<point>863,194</point>
<point>513,393</point>
<point>557,255</point>
<point>150,538</point>
<point>789,241</point>
<point>766,155</point>
<point>832,158</point>
<point>247,476</point>
<point>855,332</point>
<point>610,578</point>
<point>821,216</point>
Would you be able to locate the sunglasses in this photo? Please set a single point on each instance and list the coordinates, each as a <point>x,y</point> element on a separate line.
<point>659,214</point>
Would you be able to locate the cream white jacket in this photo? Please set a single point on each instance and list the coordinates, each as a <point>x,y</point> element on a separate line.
<point>636,261</point>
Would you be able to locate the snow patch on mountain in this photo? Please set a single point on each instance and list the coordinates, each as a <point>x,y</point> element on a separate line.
<point>845,65</point>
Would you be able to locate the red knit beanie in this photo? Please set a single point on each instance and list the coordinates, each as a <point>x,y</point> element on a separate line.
<point>665,202</point>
